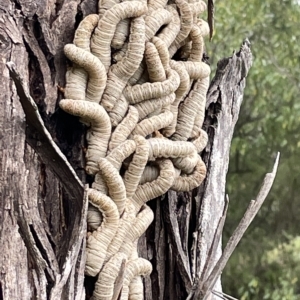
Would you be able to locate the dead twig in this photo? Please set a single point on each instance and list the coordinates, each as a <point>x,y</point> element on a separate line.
<point>223,295</point>
<point>202,288</point>
<point>249,215</point>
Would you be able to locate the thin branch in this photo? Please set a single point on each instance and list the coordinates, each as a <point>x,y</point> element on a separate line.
<point>210,17</point>
<point>223,295</point>
<point>249,215</point>
<point>219,295</point>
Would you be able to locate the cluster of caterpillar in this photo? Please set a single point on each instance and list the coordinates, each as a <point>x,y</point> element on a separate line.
<point>138,82</point>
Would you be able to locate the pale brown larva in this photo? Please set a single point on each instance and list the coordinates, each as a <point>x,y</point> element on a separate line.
<point>198,122</point>
<point>169,33</point>
<point>118,55</point>
<point>97,135</point>
<point>136,167</point>
<point>196,37</point>
<point>150,173</point>
<point>154,5</point>
<point>104,287</point>
<point>169,149</point>
<point>140,224</point>
<point>93,67</point>
<point>163,51</point>
<point>98,241</point>
<point>196,70</point>
<point>83,33</point>
<point>136,77</point>
<point>121,34</point>
<point>119,111</point>
<point>126,221</point>
<point>197,8</point>
<point>104,32</point>
<point>186,164</point>
<point>155,67</point>
<point>136,288</point>
<point>180,94</point>
<point>124,129</point>
<point>76,77</point>
<point>204,27</point>
<point>194,104</point>
<point>114,182</point>
<point>138,93</point>
<point>94,218</point>
<point>145,108</point>
<point>200,141</point>
<point>139,266</point>
<point>104,5</point>
<point>118,154</point>
<point>186,23</point>
<point>153,123</point>
<point>189,182</point>
<point>120,72</point>
<point>155,20</point>
<point>157,187</point>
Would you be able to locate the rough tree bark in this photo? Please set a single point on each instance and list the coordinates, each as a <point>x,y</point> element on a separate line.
<point>44,205</point>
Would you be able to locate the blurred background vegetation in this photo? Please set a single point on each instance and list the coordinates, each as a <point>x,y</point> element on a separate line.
<point>266,264</point>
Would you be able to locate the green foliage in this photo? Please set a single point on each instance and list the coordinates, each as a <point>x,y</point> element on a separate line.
<point>269,122</point>
<point>272,283</point>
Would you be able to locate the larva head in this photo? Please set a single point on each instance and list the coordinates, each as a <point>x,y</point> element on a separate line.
<point>84,31</point>
<point>69,50</point>
<point>204,27</point>
<point>68,106</point>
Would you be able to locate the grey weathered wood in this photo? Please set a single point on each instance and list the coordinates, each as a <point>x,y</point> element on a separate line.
<point>62,290</point>
<point>215,243</point>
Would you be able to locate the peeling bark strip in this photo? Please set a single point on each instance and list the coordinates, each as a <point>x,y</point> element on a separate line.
<point>43,143</point>
<point>44,206</point>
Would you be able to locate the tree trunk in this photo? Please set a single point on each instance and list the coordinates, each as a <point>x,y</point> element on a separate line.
<point>43,206</point>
